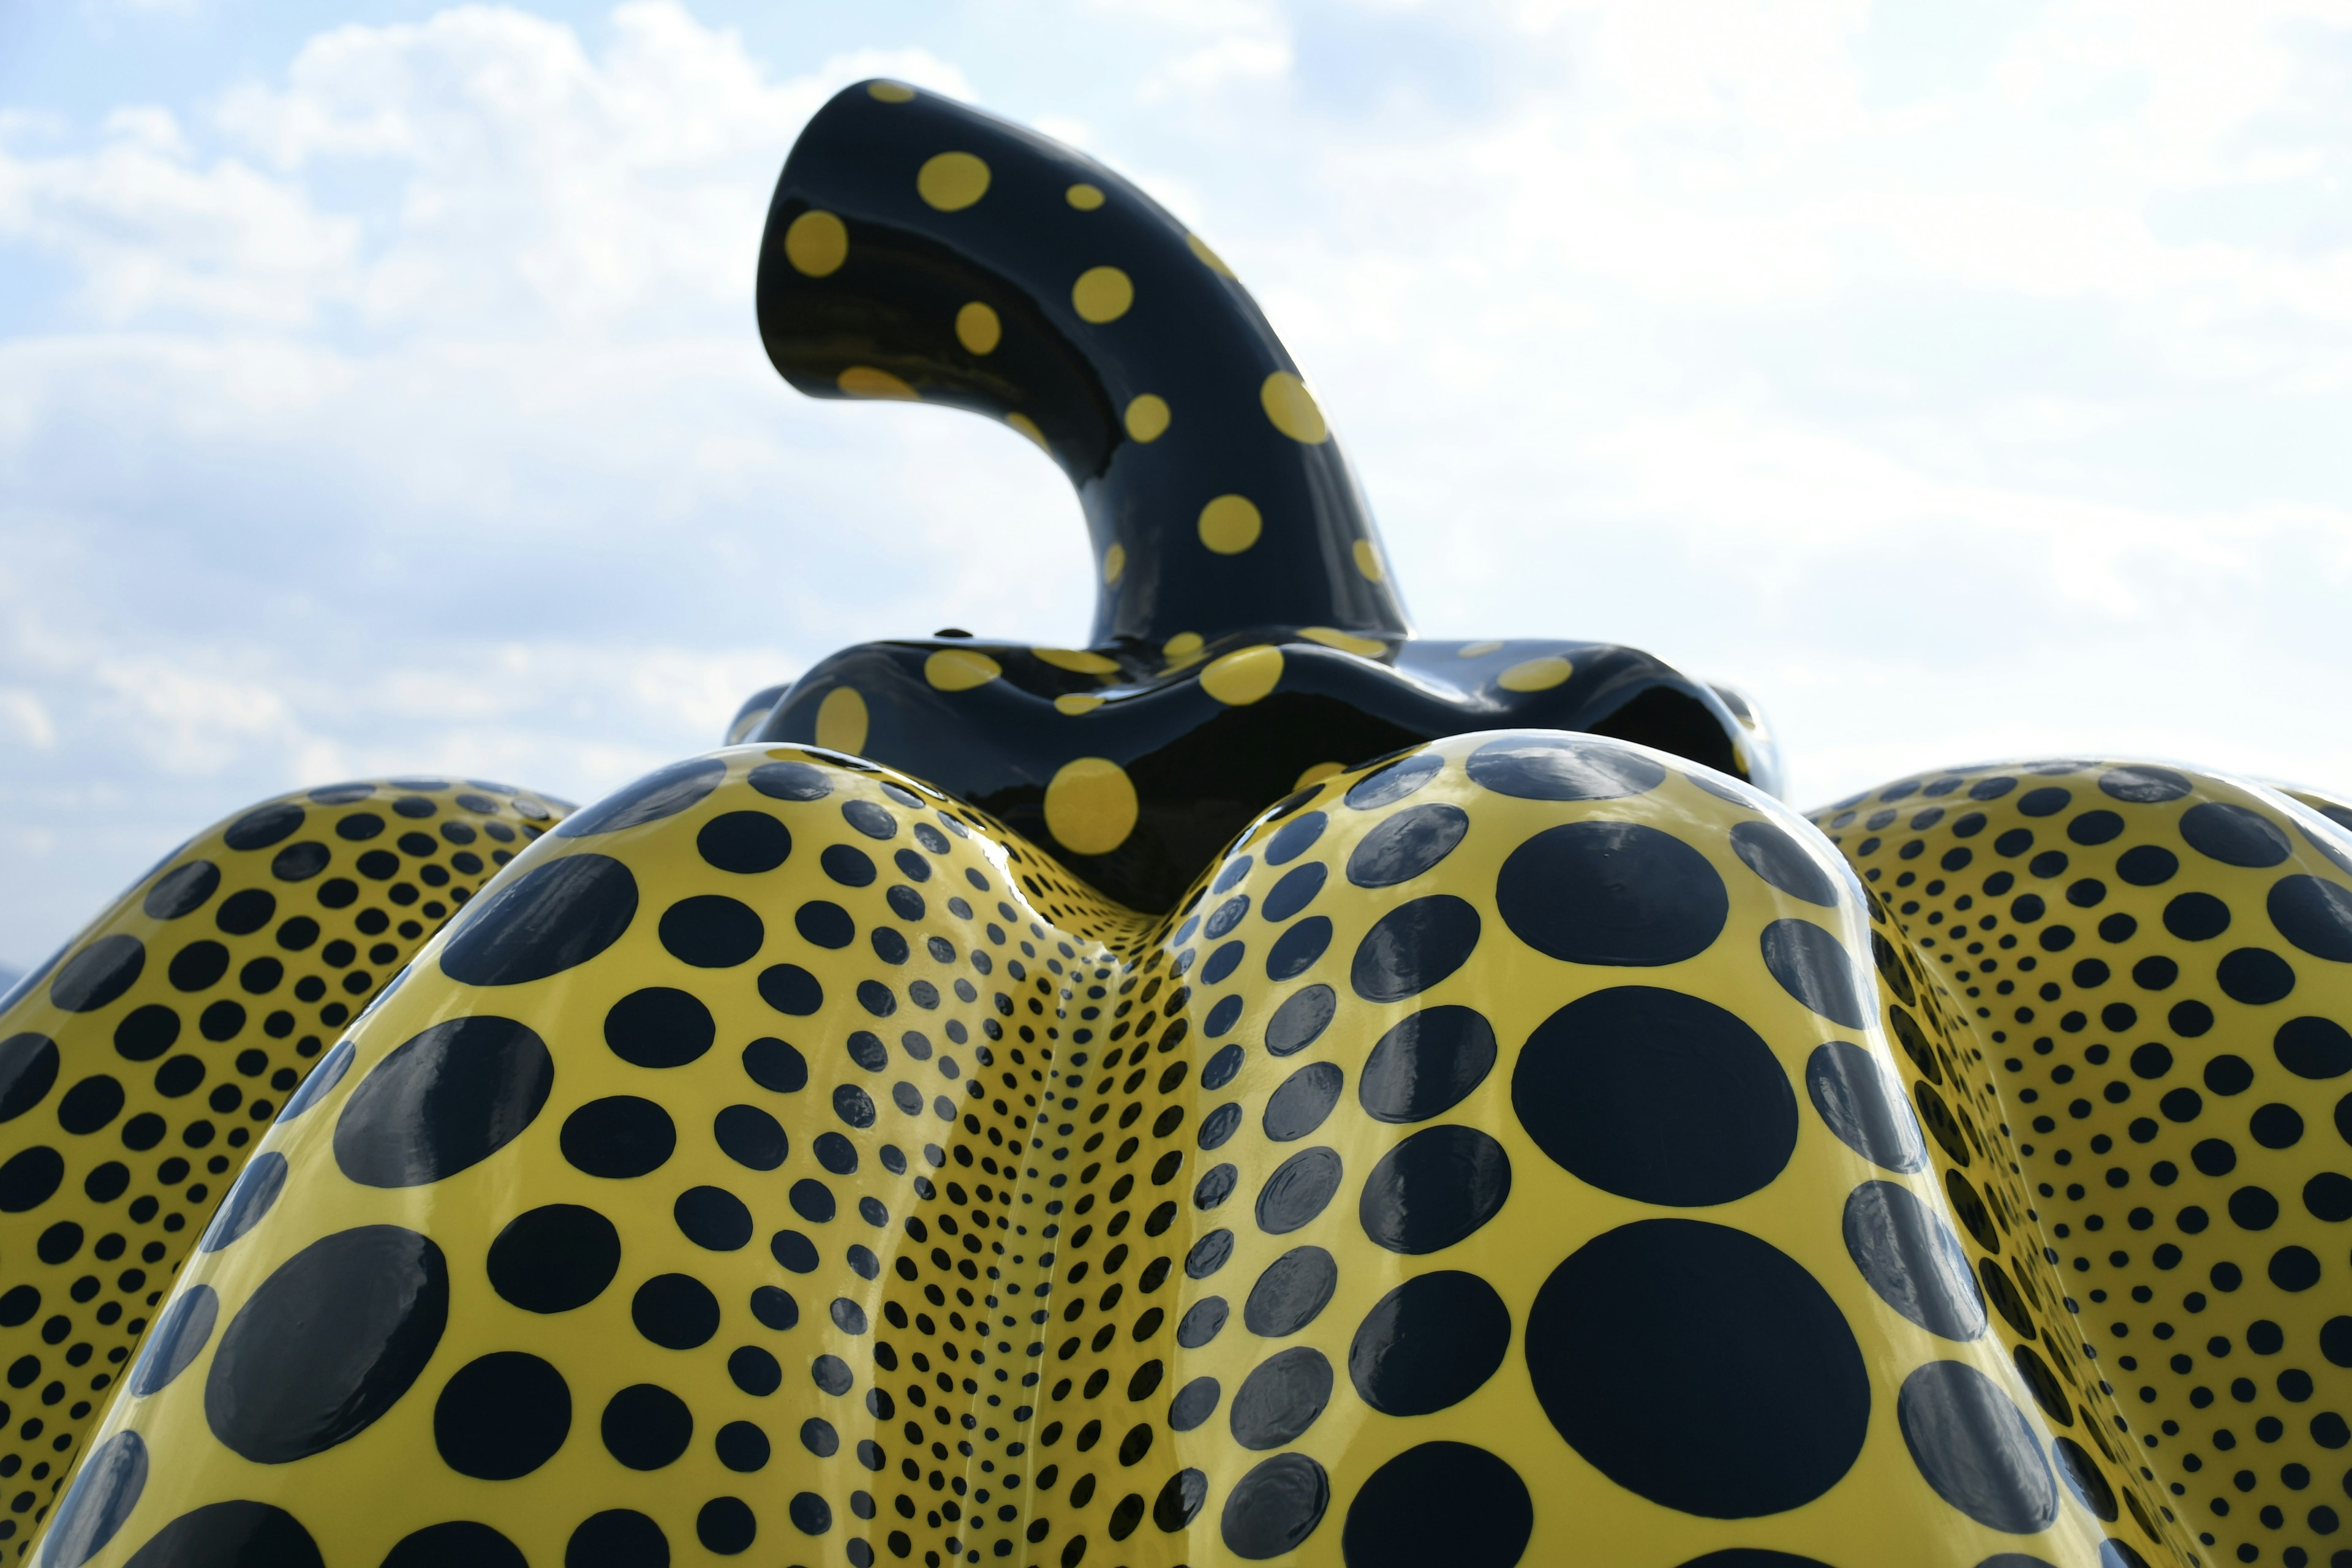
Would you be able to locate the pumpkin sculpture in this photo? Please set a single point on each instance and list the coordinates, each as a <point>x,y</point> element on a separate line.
<point>1262,1087</point>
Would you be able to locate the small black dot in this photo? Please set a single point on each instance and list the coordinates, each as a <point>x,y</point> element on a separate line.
<point>1300,1188</point>
<point>710,931</point>
<point>1291,1292</point>
<point>713,1217</point>
<point>618,1137</point>
<point>749,1136</point>
<point>676,1311</point>
<point>455,1543</point>
<point>1299,1021</point>
<point>744,842</point>
<point>646,1426</point>
<point>741,1447</point>
<point>1280,1398</point>
<point>1274,1508</point>
<point>554,1259</point>
<point>617,1538</point>
<point>501,1415</point>
<point>1295,837</point>
<point>1433,1188</point>
<point>659,1026</point>
<point>1302,1101</point>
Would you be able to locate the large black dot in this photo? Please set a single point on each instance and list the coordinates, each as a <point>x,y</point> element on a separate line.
<point>1302,1101</point>
<point>501,1415</point>
<point>1294,951</point>
<point>711,931</point>
<point>262,827</point>
<point>1404,846</point>
<point>1194,1403</point>
<point>1775,855</point>
<point>791,781</point>
<point>28,1068</point>
<point>617,1538</point>
<point>1913,1260</point>
<point>1434,1188</point>
<point>1295,837</point>
<point>1813,967</point>
<point>713,1217</point>
<point>749,1136</point>
<point>182,889</point>
<point>1291,1292</point>
<point>1386,786</point>
<point>30,1175</point>
<point>776,1065</point>
<point>1300,1188</point>
<point>1295,891</point>
<point>2143,784</point>
<point>443,1100</point>
<point>1761,1557</point>
<point>1439,1502</point>
<point>646,1426</point>
<point>106,1488</point>
<point>98,974</point>
<point>557,916</point>
<point>618,1137</point>
<point>1657,1095</point>
<point>328,1343</point>
<point>2314,915</point>
<point>179,1336</point>
<point>1700,1367</point>
<point>1859,1102</point>
<point>2308,1047</point>
<point>1427,1064</point>
<point>1280,1398</point>
<point>1302,1017</point>
<point>676,1311</point>
<point>659,1026</point>
<point>554,1259</point>
<point>2254,975</point>
<point>790,989</point>
<point>744,842</point>
<point>1274,1508</point>
<point>230,1535</point>
<point>663,793</point>
<point>2234,834</point>
<point>1429,1343</point>
<point>1612,893</point>
<point>455,1543</point>
<point>1548,765</point>
<point>1976,1447</point>
<point>1415,946</point>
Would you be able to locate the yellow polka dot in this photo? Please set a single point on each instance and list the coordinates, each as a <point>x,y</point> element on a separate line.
<point>1147,417</point>
<point>1476,649</point>
<point>1028,426</point>
<point>1365,647</point>
<point>1077,703</point>
<point>1183,644</point>
<point>1368,560</point>
<point>951,181</point>
<point>978,328</point>
<point>1102,294</point>
<point>817,243</point>
<point>1318,772</point>
<point>1230,525</point>
<point>890,91</point>
<point>865,381</point>
<point>841,721</point>
<point>1078,659</point>
<point>1292,408</point>
<point>1114,562</point>
<point>1090,806</point>
<point>1208,259</point>
<point>1083,197</point>
<point>1240,678</point>
<point>959,669</point>
<point>1535,674</point>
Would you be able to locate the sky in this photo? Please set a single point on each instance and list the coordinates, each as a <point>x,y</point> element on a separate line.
<point>1962,379</point>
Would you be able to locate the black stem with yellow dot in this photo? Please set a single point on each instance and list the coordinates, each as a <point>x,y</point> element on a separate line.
<point>920,249</point>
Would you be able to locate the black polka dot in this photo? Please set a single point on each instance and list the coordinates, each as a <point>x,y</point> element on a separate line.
<point>645,1426</point>
<point>1280,1398</point>
<point>791,781</point>
<point>850,868</point>
<point>179,1336</point>
<point>810,1513</point>
<point>253,1195</point>
<point>1295,891</point>
<point>1657,1095</point>
<point>2308,1047</point>
<point>1206,1319</point>
<point>665,792</point>
<point>443,1101</point>
<point>775,1308</point>
<point>1291,1293</point>
<point>262,827</point>
<point>1976,1448</point>
<point>832,1373</point>
<point>1404,845</point>
<point>554,1259</point>
<point>1548,765</point>
<point>618,1137</point>
<point>676,1311</point>
<point>328,1343</point>
<point>321,1082</point>
<point>1274,1508</point>
<point>1300,1188</point>
<point>1391,783</point>
<point>1913,1260</point>
<point>99,974</point>
<point>794,1251</point>
<point>1612,893</point>
<point>1439,1502</point>
<point>2143,784</point>
<point>1863,1107</point>
<point>230,1535</point>
<point>28,1178</point>
<point>1295,837</point>
<point>106,1488</point>
<point>2234,834</point>
<point>501,1415</point>
<point>1699,1367</point>
<point>1296,951</point>
<point>776,1065</point>
<point>28,1068</point>
<point>749,1136</point>
<point>1302,1101</point>
<point>713,1217</point>
<point>2315,915</point>
<point>2196,917</point>
<point>181,890</point>
<point>726,1525</point>
<point>1413,947</point>
<point>617,1538</point>
<point>557,916</point>
<point>1434,1188</point>
<point>1812,967</point>
<point>1299,1021</point>
<point>1427,1064</point>
<point>1773,855</point>
<point>711,931</point>
<point>198,965</point>
<point>2254,975</point>
<point>870,818</point>
<point>1758,1557</point>
<point>659,1026</point>
<point>1429,1343</point>
<point>2147,865</point>
<point>1194,1403</point>
<point>744,842</point>
<point>456,1543</point>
